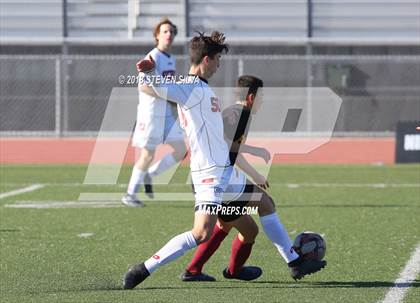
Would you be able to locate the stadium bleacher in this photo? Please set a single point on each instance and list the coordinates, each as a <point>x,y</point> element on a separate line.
<point>97,18</point>
<point>372,18</point>
<point>31,18</point>
<point>267,18</point>
<point>151,11</point>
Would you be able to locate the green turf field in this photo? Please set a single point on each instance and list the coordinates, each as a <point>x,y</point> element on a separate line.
<point>369,216</point>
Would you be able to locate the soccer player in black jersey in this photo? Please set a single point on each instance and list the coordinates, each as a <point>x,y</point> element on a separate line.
<point>236,120</point>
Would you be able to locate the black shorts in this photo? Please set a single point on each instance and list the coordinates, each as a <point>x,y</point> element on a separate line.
<point>239,204</point>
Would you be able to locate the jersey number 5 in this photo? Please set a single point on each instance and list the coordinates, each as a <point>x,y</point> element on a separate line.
<point>215,104</point>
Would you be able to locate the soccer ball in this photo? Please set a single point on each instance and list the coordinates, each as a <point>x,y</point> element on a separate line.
<point>310,245</point>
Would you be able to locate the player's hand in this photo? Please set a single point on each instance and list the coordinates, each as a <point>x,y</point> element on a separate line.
<point>261,181</point>
<point>264,154</point>
<point>146,65</point>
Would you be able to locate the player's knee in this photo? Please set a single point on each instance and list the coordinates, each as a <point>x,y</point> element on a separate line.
<point>267,205</point>
<point>225,227</point>
<point>250,234</point>
<point>202,235</point>
<point>180,153</point>
<point>147,155</point>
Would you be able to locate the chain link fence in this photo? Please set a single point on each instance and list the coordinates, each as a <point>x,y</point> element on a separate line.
<point>67,95</point>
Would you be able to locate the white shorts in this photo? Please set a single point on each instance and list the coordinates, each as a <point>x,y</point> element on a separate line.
<point>154,130</point>
<point>213,189</point>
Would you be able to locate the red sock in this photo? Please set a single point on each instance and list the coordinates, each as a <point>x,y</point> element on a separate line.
<point>240,253</point>
<point>206,250</point>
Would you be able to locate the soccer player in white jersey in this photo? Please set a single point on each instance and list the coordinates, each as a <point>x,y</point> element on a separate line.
<point>156,122</point>
<point>211,171</point>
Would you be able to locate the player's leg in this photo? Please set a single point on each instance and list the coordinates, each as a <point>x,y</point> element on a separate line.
<point>174,136</point>
<point>278,235</point>
<point>138,176</point>
<point>148,133</point>
<point>176,247</point>
<point>193,272</point>
<point>208,197</point>
<point>241,250</point>
<point>169,160</point>
<point>241,246</point>
<point>270,221</point>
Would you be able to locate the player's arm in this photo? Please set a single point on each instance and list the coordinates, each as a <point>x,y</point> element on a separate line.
<point>259,179</point>
<point>235,134</point>
<point>260,152</point>
<point>151,90</point>
<point>178,93</point>
<point>147,90</point>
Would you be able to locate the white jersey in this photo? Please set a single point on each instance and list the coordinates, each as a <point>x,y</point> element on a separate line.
<point>200,117</point>
<point>151,106</point>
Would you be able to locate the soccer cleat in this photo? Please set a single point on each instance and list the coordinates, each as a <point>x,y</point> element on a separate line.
<point>135,275</point>
<point>148,187</point>
<point>186,276</point>
<point>132,200</point>
<point>248,273</point>
<point>306,267</point>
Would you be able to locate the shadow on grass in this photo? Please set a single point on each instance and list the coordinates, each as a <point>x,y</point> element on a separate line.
<point>349,205</point>
<point>345,284</point>
<point>113,285</point>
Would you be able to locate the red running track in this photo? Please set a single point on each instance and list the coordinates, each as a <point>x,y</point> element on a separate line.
<point>79,150</point>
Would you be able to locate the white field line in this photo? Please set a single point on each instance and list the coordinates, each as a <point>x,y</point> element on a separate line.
<point>21,190</point>
<point>63,204</point>
<point>188,196</point>
<point>407,276</point>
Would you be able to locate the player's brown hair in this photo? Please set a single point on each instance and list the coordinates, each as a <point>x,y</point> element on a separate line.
<point>202,45</point>
<point>156,30</point>
<point>247,81</point>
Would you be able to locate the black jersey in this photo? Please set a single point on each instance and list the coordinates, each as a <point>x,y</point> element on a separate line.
<point>236,120</point>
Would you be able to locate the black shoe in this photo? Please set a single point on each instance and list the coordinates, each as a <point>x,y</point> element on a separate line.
<point>148,187</point>
<point>302,268</point>
<point>135,275</point>
<point>248,273</point>
<point>186,276</point>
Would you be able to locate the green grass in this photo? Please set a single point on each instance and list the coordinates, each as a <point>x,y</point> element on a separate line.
<point>370,234</point>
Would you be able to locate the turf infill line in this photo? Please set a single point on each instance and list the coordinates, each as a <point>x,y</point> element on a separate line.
<point>21,191</point>
<point>408,275</point>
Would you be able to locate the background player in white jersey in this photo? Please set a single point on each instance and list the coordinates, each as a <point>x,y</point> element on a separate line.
<point>156,122</point>
<point>210,163</point>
